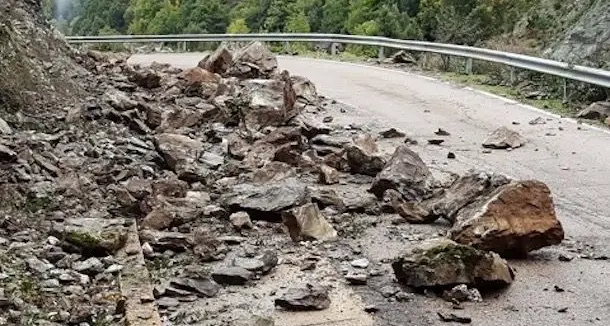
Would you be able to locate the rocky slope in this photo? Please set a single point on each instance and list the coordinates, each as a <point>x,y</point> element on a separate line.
<point>152,195</point>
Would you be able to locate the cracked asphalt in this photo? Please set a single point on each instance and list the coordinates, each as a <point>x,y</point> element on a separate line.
<point>571,158</point>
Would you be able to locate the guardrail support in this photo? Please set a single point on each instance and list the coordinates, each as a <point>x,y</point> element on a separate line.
<point>184,46</point>
<point>287,47</point>
<point>512,75</point>
<point>381,53</point>
<point>469,66</point>
<point>333,48</point>
<point>565,90</point>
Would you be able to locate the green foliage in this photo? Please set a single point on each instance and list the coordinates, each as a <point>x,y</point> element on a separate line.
<point>98,14</point>
<point>238,26</point>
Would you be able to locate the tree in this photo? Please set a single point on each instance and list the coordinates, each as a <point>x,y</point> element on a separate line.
<point>297,23</point>
<point>238,26</point>
<point>97,14</point>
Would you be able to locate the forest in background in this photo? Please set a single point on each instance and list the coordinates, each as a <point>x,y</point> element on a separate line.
<point>470,22</point>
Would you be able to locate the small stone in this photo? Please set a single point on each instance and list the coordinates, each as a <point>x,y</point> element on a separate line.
<point>441,132</point>
<point>389,291</point>
<point>328,175</point>
<point>562,310</point>
<point>371,309</point>
<point>360,263</point>
<point>52,240</point>
<point>50,283</point>
<point>167,302</point>
<point>90,266</point>
<point>251,264</point>
<point>38,265</point>
<point>461,293</point>
<point>328,119</point>
<point>232,275</point>
<point>356,279</point>
<point>203,287</point>
<point>565,258</point>
<point>451,155</point>
<point>241,220</point>
<point>114,268</point>
<point>435,141</point>
<point>402,296</point>
<point>454,318</point>
<point>392,133</point>
<point>310,297</point>
<point>558,289</point>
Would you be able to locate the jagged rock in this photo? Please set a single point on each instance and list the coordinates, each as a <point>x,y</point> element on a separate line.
<point>328,175</point>
<point>512,220</point>
<point>356,279</point>
<point>304,89</point>
<point>163,240</point>
<point>270,259</point>
<point>406,173</point>
<point>461,293</point>
<point>454,318</point>
<point>266,103</point>
<point>250,264</point>
<point>307,223</point>
<point>253,61</point>
<point>119,100</point>
<point>444,263</point>
<point>273,171</point>
<point>503,138</point>
<point>392,133</point>
<point>218,62</point>
<point>241,220</point>
<point>198,81</point>
<point>360,263</point>
<point>328,197</point>
<point>91,266</point>
<point>267,199</point>
<point>311,127</point>
<point>169,187</point>
<point>202,287</point>
<point>6,154</point>
<point>310,297</point>
<point>181,154</point>
<point>597,110</point>
<point>232,275</point>
<point>462,192</point>
<point>329,140</point>
<point>5,128</point>
<point>363,157</point>
<point>146,78</point>
<point>92,236</point>
<point>38,265</point>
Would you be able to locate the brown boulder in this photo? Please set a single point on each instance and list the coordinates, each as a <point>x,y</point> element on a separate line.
<point>304,89</point>
<point>503,138</point>
<point>328,175</point>
<point>266,103</point>
<point>363,156</point>
<point>308,223</point>
<point>406,173</point>
<point>253,61</point>
<point>597,110</point>
<point>181,155</point>
<point>198,81</point>
<point>218,62</point>
<point>514,219</point>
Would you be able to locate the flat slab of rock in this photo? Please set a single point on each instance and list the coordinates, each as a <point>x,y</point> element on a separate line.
<point>218,62</point>
<point>310,297</point>
<point>597,110</point>
<point>514,219</point>
<point>503,138</point>
<point>202,287</point>
<point>181,155</point>
<point>308,223</point>
<point>441,263</point>
<point>92,236</point>
<point>269,197</point>
<point>232,275</point>
<point>406,173</point>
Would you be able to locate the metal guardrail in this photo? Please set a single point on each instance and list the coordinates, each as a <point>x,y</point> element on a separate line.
<point>589,75</point>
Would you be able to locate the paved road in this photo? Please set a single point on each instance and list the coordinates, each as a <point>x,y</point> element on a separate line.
<point>572,159</point>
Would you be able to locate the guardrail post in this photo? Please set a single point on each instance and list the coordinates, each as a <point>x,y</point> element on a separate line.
<point>184,46</point>
<point>333,48</point>
<point>381,53</point>
<point>469,66</point>
<point>287,47</point>
<point>512,75</point>
<point>565,90</point>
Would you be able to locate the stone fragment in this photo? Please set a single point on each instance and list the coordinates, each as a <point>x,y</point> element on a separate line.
<point>504,138</point>
<point>265,103</point>
<point>392,133</point>
<point>461,293</point>
<point>202,287</point>
<point>357,279</point>
<point>241,220</point>
<point>597,110</point>
<point>310,297</point>
<point>308,223</point>
<point>181,153</point>
<point>328,175</point>
<point>218,62</point>
<point>253,61</point>
<point>363,157</point>
<point>231,275</point>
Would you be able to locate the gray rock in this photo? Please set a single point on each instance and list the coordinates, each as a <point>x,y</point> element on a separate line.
<point>232,275</point>
<point>241,220</point>
<point>265,103</point>
<point>253,61</point>
<point>356,279</point>
<point>251,264</point>
<point>91,266</point>
<point>180,153</point>
<point>50,283</point>
<point>38,265</point>
<point>392,133</point>
<point>308,223</point>
<point>167,302</point>
<point>360,263</point>
<point>598,110</point>
<point>363,157</point>
<point>310,297</point>
<point>270,259</point>
<point>202,287</point>
<point>406,173</point>
<point>5,128</point>
<point>114,268</point>
<point>304,89</point>
<point>452,317</point>
<point>328,175</point>
<point>444,263</point>
<point>218,62</point>
<point>504,138</point>
<point>461,293</point>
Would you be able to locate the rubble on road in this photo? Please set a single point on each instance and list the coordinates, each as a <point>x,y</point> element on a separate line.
<point>504,138</point>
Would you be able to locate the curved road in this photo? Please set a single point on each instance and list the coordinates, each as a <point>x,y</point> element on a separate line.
<point>572,159</point>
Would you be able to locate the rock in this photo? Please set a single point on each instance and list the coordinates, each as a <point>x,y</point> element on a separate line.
<point>311,297</point>
<point>451,155</point>
<point>512,220</point>
<point>360,263</point>
<point>444,263</point>
<point>607,122</point>
<point>198,81</point>
<point>253,61</point>
<point>232,275</point>
<point>461,293</point>
<point>328,175</point>
<point>38,265</point>
<point>93,236</point>
<point>270,259</point>
<point>412,212</point>
<point>91,266</point>
<point>50,283</point>
<point>451,317</point>
<point>267,199</point>
<point>6,154</point>
<point>146,78</point>
<point>218,62</point>
<point>273,172</point>
<point>401,56</point>
<point>504,138</point>
<point>392,133</point>
<point>435,141</point>
<point>162,240</point>
<point>311,127</point>
<point>304,89</point>
<point>166,302</point>
<point>597,110</point>
<point>114,268</point>
<point>202,287</point>
<point>307,223</point>
<point>5,129</point>
<point>363,158</point>
<point>181,155</point>
<point>328,119</point>
<point>4,301</point>
<point>537,121</point>
<point>119,100</point>
<point>241,220</point>
<point>255,320</point>
<point>333,141</point>
<point>250,264</point>
<point>442,132</point>
<point>406,173</point>
<point>265,103</point>
<point>356,279</point>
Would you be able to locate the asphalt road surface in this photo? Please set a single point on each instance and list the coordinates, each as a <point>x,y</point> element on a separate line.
<point>573,159</point>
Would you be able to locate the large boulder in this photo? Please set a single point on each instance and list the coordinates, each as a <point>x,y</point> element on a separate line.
<point>200,82</point>
<point>304,89</point>
<point>442,263</point>
<point>307,223</point>
<point>503,138</point>
<point>264,103</point>
<point>253,61</point>
<point>268,200</point>
<point>512,220</point>
<point>218,62</point>
<point>406,173</point>
<point>597,110</point>
<point>363,156</point>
